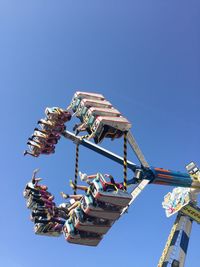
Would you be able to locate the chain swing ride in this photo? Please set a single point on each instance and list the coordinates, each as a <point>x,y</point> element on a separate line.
<point>85,218</point>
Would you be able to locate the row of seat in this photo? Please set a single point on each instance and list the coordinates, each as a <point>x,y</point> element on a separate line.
<point>43,140</point>
<point>91,218</point>
<point>98,117</point>
<point>98,210</point>
<point>47,218</point>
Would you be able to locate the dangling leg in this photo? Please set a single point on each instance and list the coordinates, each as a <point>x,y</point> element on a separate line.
<point>36,214</point>
<point>57,220</point>
<point>58,227</point>
<point>72,207</point>
<point>85,177</point>
<point>43,221</point>
<point>75,197</point>
<point>80,187</point>
<point>33,179</point>
<point>79,128</point>
<point>42,131</point>
<point>26,152</point>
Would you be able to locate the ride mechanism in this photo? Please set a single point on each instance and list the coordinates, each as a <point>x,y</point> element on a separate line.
<point>86,218</point>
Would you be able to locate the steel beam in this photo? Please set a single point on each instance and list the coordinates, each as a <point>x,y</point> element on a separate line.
<point>99,150</point>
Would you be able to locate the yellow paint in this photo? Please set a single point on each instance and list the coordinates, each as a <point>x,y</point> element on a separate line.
<point>196,176</point>
<point>192,212</point>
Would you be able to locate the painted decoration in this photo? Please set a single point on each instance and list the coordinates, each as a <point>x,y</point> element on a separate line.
<point>176,200</point>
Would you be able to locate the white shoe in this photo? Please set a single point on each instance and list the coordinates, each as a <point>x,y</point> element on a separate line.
<point>83,176</point>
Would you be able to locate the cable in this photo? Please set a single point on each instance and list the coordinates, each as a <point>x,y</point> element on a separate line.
<point>76,168</point>
<point>125,161</point>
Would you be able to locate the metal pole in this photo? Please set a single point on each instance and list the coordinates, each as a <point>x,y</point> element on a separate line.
<point>99,150</point>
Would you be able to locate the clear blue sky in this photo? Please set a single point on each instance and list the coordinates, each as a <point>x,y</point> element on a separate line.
<point>144,57</point>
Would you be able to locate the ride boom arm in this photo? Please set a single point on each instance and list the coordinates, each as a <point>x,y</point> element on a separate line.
<point>139,188</point>
<point>99,150</point>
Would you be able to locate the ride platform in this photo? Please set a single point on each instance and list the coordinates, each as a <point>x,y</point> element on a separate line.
<point>100,210</point>
<point>87,223</point>
<point>111,195</point>
<point>46,230</point>
<point>74,236</point>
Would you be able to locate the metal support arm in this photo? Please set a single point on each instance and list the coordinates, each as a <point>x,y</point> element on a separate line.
<point>99,150</point>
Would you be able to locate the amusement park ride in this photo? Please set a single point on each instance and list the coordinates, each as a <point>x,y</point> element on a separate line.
<point>85,218</point>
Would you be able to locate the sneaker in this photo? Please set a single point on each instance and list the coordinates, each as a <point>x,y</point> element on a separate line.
<point>83,176</point>
<point>32,218</point>
<point>51,198</point>
<point>71,183</point>
<point>49,216</point>
<point>64,195</point>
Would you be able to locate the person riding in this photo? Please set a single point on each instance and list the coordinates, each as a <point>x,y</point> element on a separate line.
<point>74,202</point>
<point>34,182</point>
<point>105,184</point>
